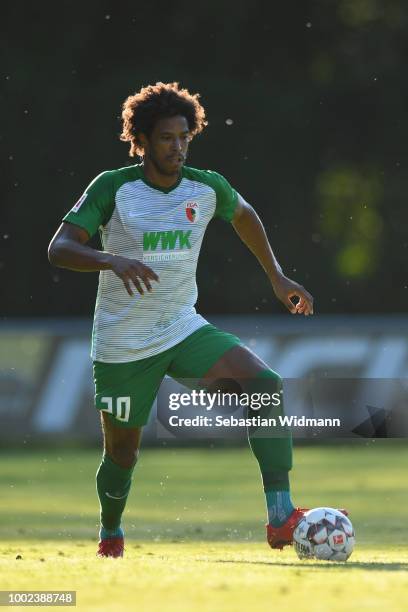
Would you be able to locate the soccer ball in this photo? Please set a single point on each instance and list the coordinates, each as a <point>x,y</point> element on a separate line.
<point>324,533</point>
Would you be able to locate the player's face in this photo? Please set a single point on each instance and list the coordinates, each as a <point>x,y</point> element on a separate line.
<point>168,145</point>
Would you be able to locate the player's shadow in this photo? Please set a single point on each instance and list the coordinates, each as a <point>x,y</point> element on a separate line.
<point>372,565</point>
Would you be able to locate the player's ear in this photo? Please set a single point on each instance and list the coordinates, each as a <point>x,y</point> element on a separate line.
<point>142,140</point>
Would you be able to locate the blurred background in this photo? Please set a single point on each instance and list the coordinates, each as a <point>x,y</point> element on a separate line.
<point>306,103</point>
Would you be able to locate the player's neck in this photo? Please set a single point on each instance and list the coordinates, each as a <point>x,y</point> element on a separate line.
<point>154,176</point>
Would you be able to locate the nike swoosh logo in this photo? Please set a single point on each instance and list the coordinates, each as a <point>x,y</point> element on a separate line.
<point>114,497</point>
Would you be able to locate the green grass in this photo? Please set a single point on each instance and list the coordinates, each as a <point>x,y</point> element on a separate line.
<point>195,530</point>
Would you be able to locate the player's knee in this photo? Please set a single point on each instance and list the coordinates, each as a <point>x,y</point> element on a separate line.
<point>125,455</point>
<point>273,376</point>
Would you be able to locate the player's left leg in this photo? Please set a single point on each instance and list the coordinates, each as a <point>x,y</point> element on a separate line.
<point>214,355</point>
<point>271,447</point>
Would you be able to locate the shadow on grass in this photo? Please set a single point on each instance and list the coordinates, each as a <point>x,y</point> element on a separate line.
<point>57,524</point>
<point>363,565</point>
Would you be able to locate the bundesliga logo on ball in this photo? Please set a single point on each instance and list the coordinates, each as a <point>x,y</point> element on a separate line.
<point>324,533</point>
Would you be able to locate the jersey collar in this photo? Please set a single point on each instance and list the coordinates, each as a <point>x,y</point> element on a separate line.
<point>157,187</point>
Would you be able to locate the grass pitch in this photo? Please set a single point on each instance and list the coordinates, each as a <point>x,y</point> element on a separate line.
<point>195,531</point>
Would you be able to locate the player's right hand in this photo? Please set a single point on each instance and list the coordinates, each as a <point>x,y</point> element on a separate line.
<point>133,272</point>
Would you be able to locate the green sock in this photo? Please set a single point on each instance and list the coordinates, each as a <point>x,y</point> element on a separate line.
<point>273,451</point>
<point>279,507</point>
<point>113,485</point>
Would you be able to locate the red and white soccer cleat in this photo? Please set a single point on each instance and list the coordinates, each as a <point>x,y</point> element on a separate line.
<point>111,547</point>
<point>278,537</point>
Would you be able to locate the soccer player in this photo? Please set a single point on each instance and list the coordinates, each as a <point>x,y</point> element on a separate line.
<point>152,218</point>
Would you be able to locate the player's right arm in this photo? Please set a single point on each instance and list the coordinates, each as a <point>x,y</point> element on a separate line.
<point>68,249</point>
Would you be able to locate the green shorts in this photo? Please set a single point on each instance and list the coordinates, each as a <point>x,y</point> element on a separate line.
<point>126,391</point>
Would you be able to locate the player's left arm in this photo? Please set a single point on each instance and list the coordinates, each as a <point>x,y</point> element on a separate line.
<point>250,229</point>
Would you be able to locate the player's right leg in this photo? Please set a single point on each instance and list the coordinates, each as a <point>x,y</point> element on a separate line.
<point>113,482</point>
<point>124,394</point>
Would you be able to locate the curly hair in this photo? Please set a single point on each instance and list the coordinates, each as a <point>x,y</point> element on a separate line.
<point>141,111</point>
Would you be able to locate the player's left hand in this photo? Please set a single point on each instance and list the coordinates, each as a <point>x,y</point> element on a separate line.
<point>285,289</point>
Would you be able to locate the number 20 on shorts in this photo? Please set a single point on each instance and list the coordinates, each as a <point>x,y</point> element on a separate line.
<point>122,407</point>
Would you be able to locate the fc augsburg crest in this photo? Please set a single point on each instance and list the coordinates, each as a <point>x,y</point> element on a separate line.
<point>192,211</point>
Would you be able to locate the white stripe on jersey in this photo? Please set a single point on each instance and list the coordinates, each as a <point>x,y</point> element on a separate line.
<point>164,230</point>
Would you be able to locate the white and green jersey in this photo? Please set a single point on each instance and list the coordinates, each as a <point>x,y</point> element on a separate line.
<point>164,229</point>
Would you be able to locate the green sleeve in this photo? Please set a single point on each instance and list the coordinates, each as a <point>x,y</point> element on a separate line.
<point>95,207</point>
<point>227,197</point>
